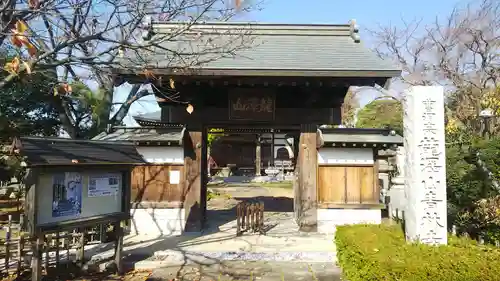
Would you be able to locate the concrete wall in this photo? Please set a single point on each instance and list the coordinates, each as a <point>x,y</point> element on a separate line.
<point>328,219</point>
<point>156,222</point>
<point>334,155</point>
<point>162,154</point>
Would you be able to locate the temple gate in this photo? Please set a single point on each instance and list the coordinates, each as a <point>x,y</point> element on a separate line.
<point>291,78</point>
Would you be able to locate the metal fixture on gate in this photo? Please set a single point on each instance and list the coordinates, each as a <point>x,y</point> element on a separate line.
<point>250,216</point>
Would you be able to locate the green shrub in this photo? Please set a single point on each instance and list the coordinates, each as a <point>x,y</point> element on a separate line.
<point>380,252</point>
<point>484,219</point>
<point>466,184</point>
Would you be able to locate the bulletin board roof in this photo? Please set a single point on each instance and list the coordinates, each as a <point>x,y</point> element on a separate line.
<point>61,152</point>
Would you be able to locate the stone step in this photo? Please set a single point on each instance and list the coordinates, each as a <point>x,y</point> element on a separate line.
<point>177,256</point>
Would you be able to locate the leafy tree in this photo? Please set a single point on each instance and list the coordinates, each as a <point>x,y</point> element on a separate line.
<point>26,107</point>
<point>381,113</point>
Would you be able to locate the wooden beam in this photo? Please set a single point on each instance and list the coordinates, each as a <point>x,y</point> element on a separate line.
<point>350,206</point>
<point>308,169</point>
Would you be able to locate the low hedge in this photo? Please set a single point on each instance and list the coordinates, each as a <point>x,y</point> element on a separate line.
<point>380,252</point>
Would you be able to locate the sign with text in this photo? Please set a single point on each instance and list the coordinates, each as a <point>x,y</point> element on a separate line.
<point>248,104</point>
<point>104,185</point>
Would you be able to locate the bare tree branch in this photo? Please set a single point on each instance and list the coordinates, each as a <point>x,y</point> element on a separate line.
<point>460,52</point>
<point>79,38</point>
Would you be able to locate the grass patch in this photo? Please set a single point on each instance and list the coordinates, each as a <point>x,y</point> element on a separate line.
<point>380,252</point>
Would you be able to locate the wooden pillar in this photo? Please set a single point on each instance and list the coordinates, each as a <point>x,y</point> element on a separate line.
<point>191,197</point>
<point>272,148</point>
<point>257,157</point>
<point>307,178</point>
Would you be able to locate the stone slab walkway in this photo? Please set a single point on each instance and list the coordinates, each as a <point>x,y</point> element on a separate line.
<point>228,271</point>
<point>249,271</point>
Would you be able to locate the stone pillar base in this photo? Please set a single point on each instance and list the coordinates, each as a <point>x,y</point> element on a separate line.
<point>328,219</point>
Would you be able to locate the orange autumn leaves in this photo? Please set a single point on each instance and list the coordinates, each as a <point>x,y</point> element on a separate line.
<point>20,40</point>
<point>34,4</point>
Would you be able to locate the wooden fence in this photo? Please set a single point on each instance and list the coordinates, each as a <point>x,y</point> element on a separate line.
<point>16,248</point>
<point>249,216</point>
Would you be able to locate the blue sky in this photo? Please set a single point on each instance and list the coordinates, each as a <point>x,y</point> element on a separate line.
<point>368,13</point>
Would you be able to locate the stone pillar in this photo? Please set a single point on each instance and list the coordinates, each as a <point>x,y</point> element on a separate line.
<point>425,166</point>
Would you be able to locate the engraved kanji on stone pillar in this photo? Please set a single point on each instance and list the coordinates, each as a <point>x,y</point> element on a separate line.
<point>425,165</point>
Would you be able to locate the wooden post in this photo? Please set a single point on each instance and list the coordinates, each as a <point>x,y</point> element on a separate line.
<point>7,244</point>
<point>119,248</point>
<point>57,249</point>
<point>67,243</point>
<point>20,250</point>
<point>22,227</point>
<point>193,142</point>
<point>81,252</point>
<point>258,156</point>
<point>261,227</point>
<point>308,169</point>
<point>243,216</point>
<point>238,219</point>
<point>46,249</point>
<point>248,212</point>
<point>252,217</point>
<point>36,274</point>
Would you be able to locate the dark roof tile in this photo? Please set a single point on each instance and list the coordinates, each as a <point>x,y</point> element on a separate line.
<point>60,151</point>
<point>142,134</point>
<point>325,49</point>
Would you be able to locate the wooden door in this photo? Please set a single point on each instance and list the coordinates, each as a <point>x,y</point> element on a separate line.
<point>347,185</point>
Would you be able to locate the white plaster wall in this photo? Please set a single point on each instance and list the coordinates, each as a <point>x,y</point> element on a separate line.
<point>328,219</point>
<point>162,154</point>
<point>156,222</point>
<point>276,136</point>
<point>279,141</point>
<point>336,155</point>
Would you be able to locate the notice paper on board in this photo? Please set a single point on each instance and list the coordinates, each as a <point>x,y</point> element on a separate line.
<point>104,185</point>
<point>66,195</point>
<point>175,177</point>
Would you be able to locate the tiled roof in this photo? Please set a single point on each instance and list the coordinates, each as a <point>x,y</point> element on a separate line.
<point>142,134</point>
<point>59,151</point>
<point>321,50</point>
<point>150,116</point>
<point>359,135</point>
